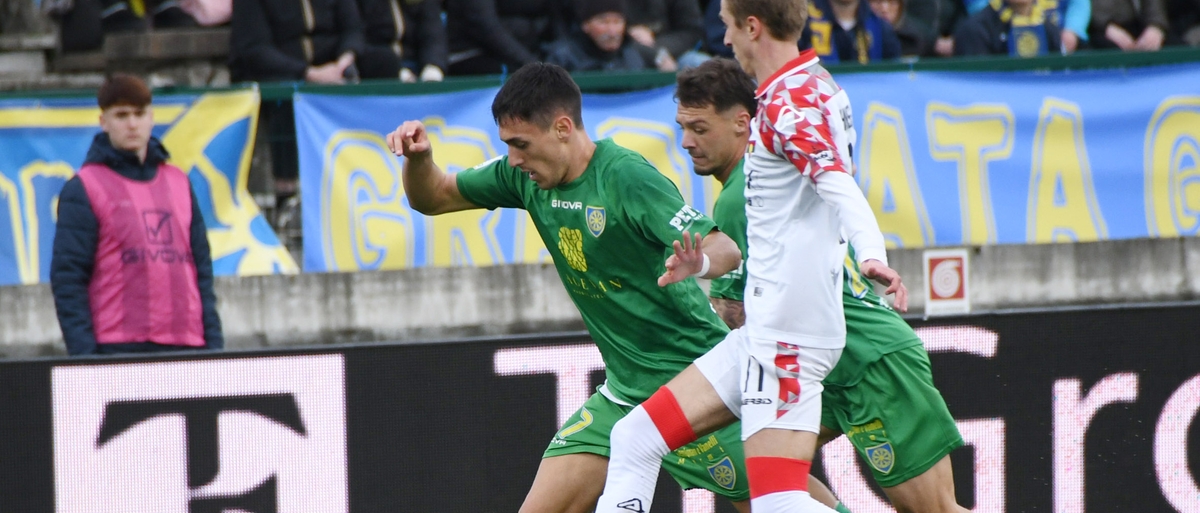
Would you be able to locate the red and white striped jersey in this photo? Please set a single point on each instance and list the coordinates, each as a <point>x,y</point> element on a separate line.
<point>800,199</point>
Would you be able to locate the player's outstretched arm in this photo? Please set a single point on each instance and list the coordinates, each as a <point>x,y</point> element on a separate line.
<point>430,191</point>
<point>706,257</point>
<point>858,222</point>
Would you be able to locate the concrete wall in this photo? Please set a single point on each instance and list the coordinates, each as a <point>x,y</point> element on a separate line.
<point>425,304</point>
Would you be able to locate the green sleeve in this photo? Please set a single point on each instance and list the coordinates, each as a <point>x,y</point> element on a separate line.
<point>654,207</point>
<point>730,215</point>
<point>493,184</point>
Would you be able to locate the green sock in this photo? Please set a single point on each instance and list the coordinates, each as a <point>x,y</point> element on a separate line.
<point>841,508</point>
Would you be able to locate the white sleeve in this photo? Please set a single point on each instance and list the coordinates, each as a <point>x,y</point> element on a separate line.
<point>858,221</point>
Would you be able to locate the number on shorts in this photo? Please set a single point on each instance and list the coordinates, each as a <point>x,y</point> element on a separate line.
<point>746,387</point>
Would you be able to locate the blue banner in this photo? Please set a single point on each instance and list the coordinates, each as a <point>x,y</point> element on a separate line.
<point>943,158</point>
<point>210,136</point>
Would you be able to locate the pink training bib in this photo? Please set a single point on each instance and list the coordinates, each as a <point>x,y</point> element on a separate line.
<point>143,285</point>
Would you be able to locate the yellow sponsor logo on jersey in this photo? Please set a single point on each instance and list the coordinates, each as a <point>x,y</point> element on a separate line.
<point>570,243</point>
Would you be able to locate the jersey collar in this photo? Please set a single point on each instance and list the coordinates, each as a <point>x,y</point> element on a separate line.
<point>807,58</point>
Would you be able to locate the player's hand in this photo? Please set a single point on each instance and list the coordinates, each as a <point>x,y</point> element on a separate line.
<point>687,260</point>
<point>409,140</point>
<point>885,275</point>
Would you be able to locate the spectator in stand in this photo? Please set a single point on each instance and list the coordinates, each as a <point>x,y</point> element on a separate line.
<point>84,23</point>
<point>951,14</point>
<point>848,31</point>
<point>714,31</point>
<point>312,40</point>
<point>673,28</point>
<point>1185,21</point>
<point>1016,29</point>
<point>487,36</point>
<point>131,270</point>
<point>599,43</point>
<point>917,35</point>
<point>405,39</point>
<point>1071,16</point>
<point>1130,25</point>
<point>317,41</point>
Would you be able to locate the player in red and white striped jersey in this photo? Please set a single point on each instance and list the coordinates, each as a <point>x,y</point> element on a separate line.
<point>801,207</point>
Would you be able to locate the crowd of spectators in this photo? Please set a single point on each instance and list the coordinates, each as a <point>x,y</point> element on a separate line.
<point>341,41</point>
<point>336,41</point>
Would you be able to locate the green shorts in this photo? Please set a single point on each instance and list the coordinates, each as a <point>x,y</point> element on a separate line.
<point>714,462</point>
<point>895,418</point>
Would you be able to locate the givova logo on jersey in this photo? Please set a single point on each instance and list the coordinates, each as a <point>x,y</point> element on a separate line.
<point>260,435</point>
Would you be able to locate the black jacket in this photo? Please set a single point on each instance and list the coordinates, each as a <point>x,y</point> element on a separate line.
<point>74,253</point>
<point>916,37</point>
<point>423,37</point>
<point>986,33</point>
<point>511,32</point>
<point>271,39</point>
<point>677,24</point>
<point>714,31</point>
<point>577,52</point>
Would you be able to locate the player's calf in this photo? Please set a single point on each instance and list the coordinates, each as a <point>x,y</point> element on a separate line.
<point>639,442</point>
<point>780,485</point>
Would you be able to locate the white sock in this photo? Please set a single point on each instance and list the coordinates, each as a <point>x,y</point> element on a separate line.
<point>792,501</point>
<point>637,452</point>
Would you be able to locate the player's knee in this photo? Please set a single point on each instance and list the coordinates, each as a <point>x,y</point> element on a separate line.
<point>627,432</point>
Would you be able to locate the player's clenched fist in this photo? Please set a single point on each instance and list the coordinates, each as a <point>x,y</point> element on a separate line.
<point>409,140</point>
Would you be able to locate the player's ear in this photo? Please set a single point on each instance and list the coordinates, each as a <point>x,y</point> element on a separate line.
<point>741,122</point>
<point>562,127</point>
<point>754,27</point>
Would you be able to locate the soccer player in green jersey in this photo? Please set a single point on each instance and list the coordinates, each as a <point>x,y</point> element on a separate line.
<point>881,392</point>
<point>608,219</point>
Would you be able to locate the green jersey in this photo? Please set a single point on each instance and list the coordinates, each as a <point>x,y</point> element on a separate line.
<point>609,232</point>
<point>730,214</point>
<point>873,329</point>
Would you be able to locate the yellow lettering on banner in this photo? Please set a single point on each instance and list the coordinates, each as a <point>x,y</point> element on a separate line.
<point>10,195</point>
<point>468,237</point>
<point>889,179</point>
<point>972,137</point>
<point>656,142</point>
<point>39,169</point>
<point>1172,168</point>
<point>1062,200</point>
<point>233,206</point>
<point>66,117</point>
<point>365,222</point>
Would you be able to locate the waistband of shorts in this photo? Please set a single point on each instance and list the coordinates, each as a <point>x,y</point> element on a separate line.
<point>604,391</point>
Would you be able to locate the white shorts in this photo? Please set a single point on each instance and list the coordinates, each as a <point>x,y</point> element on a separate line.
<point>769,384</point>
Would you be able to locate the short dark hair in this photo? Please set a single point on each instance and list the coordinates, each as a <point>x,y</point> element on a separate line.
<point>537,93</point>
<point>718,82</point>
<point>784,19</point>
<point>123,89</point>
